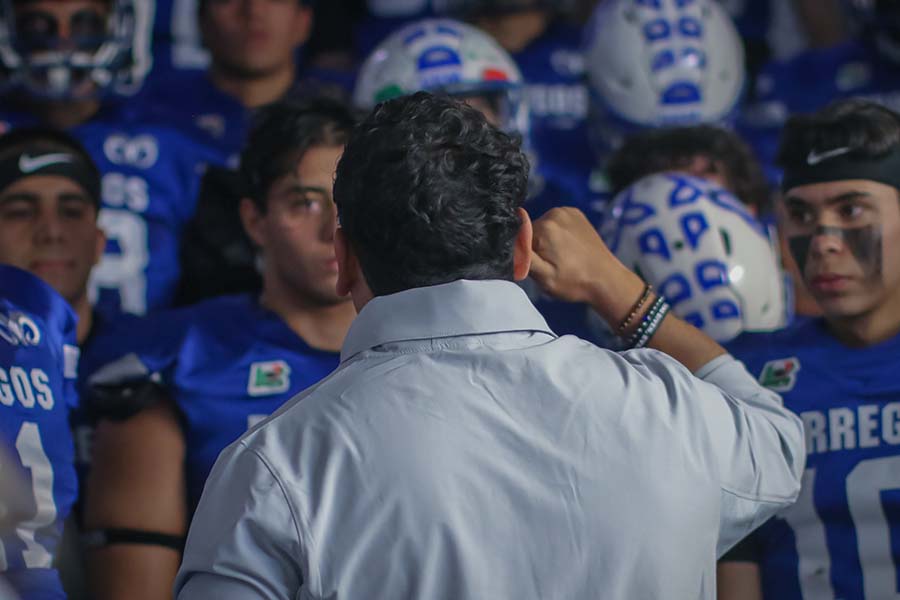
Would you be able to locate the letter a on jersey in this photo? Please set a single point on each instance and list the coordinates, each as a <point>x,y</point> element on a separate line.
<point>271,377</point>
<point>780,375</point>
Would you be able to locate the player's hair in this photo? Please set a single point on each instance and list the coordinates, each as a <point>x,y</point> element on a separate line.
<point>869,129</point>
<point>282,133</point>
<point>427,193</point>
<point>669,149</point>
<point>45,139</point>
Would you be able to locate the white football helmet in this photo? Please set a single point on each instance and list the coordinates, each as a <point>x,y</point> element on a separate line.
<point>700,248</point>
<point>112,55</point>
<point>448,56</point>
<point>652,63</point>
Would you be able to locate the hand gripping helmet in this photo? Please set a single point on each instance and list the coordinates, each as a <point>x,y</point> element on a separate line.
<point>701,249</point>
<point>661,62</point>
<point>447,56</point>
<point>112,54</point>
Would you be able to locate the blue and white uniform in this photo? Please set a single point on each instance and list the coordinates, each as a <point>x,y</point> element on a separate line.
<point>226,362</point>
<point>38,367</point>
<point>150,179</point>
<point>842,537</point>
<point>553,69</point>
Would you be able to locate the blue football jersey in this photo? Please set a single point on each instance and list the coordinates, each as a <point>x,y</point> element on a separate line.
<point>842,537</point>
<point>218,118</point>
<point>227,363</point>
<point>38,366</point>
<point>177,46</point>
<point>151,175</point>
<point>553,69</point>
<point>807,83</point>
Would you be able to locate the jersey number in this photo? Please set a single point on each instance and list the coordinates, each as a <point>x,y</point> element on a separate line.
<point>123,271</point>
<point>32,455</point>
<point>865,484</point>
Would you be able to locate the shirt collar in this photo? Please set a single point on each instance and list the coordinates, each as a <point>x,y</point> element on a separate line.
<point>451,309</point>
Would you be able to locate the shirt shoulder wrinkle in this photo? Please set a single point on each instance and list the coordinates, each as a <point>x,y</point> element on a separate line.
<point>300,520</point>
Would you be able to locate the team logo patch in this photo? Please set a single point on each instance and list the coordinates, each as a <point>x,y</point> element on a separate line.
<point>19,330</point>
<point>780,375</point>
<point>270,377</point>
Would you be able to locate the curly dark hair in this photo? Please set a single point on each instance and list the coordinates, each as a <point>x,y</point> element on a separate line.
<point>672,148</point>
<point>427,193</point>
<point>870,129</point>
<point>281,134</point>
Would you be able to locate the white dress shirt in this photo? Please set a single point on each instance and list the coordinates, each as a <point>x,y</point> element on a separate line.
<point>462,450</point>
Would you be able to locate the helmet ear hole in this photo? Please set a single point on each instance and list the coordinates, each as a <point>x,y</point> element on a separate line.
<point>726,241</point>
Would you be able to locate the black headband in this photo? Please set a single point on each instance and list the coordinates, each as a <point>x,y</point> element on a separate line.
<point>50,162</point>
<point>838,164</point>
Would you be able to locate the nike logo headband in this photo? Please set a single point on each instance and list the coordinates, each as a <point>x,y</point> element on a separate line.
<point>842,163</point>
<point>30,162</point>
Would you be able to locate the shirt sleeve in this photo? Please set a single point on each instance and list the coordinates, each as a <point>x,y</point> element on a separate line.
<point>755,445</point>
<point>244,541</point>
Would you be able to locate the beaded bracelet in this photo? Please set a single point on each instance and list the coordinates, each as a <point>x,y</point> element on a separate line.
<point>650,323</point>
<point>648,289</point>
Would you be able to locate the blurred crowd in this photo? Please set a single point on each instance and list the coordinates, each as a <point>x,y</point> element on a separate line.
<point>166,166</point>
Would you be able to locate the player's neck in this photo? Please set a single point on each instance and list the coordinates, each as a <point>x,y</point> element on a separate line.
<point>85,313</point>
<point>321,326</point>
<point>516,31</point>
<point>64,115</point>
<point>868,329</point>
<point>255,91</point>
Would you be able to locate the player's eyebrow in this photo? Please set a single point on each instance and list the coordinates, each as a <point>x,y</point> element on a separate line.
<point>299,188</point>
<point>74,197</point>
<point>839,198</point>
<point>19,197</point>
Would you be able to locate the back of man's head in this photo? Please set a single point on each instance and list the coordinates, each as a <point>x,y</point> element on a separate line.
<point>427,193</point>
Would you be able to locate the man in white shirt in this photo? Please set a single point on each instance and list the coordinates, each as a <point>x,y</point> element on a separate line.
<point>461,449</point>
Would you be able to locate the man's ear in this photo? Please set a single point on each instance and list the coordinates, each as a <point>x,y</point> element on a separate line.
<point>522,247</point>
<point>348,267</point>
<point>303,25</point>
<point>252,221</point>
<point>100,246</point>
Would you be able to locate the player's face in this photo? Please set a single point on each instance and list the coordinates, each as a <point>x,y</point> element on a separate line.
<point>52,25</point>
<point>845,238</point>
<point>48,225</point>
<point>297,231</point>
<point>254,37</point>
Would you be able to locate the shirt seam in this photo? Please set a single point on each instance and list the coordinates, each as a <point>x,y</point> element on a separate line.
<point>766,499</point>
<point>295,517</point>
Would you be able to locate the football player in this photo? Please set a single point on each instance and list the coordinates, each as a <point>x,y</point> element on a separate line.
<point>187,383</point>
<point>253,47</point>
<point>841,209</point>
<point>63,59</point>
<point>38,366</point>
